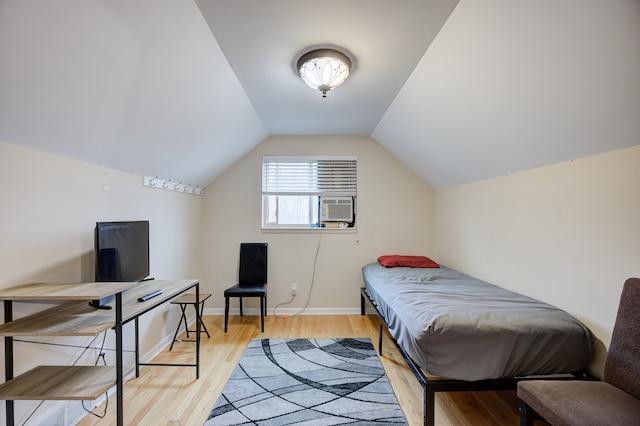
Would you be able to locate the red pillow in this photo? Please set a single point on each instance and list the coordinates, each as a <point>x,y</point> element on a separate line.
<point>393,260</point>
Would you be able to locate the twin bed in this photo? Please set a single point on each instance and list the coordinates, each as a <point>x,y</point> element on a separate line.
<point>470,334</point>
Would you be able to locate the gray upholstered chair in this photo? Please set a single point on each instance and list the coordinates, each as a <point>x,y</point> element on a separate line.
<point>614,401</point>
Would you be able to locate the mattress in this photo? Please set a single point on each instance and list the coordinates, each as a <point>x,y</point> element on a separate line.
<point>459,327</point>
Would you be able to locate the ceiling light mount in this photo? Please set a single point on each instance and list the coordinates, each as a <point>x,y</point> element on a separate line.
<point>324,69</point>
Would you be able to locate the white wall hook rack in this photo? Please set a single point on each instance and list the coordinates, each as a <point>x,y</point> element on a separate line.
<point>171,185</point>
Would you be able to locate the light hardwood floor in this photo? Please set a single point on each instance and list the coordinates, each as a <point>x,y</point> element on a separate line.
<point>172,395</point>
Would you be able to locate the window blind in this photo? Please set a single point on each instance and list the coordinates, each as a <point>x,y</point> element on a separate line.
<point>324,176</point>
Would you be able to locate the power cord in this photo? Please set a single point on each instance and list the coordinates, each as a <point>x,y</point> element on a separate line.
<point>313,276</point>
<point>75,362</point>
<point>101,355</point>
<point>293,296</point>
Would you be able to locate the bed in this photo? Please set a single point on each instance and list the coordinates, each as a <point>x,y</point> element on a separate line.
<point>470,334</point>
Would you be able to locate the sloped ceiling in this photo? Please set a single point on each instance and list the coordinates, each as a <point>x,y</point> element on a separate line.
<point>509,86</point>
<point>459,91</point>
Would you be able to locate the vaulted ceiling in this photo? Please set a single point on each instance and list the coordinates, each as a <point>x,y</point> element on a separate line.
<point>457,90</point>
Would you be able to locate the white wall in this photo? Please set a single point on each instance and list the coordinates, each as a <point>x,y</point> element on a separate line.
<point>567,234</point>
<point>48,209</point>
<point>395,215</point>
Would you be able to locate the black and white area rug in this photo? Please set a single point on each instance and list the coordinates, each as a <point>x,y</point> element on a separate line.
<point>308,382</point>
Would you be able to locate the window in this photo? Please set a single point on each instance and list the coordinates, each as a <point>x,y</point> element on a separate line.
<point>307,192</point>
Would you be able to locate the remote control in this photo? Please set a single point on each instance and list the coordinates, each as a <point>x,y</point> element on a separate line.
<point>149,296</point>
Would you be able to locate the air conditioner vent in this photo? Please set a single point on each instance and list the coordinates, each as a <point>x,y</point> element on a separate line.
<point>337,209</point>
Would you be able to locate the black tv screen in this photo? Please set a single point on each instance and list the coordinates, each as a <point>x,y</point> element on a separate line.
<point>122,251</point>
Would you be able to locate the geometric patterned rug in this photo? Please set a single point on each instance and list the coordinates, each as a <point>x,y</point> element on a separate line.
<point>308,382</point>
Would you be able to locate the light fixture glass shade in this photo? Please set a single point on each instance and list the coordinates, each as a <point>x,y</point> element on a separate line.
<point>324,69</point>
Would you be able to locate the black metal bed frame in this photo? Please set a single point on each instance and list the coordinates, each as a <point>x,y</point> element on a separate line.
<point>430,387</point>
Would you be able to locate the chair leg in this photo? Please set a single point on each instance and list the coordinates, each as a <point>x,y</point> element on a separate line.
<point>240,306</point>
<point>226,312</point>
<point>177,330</point>
<point>183,308</point>
<point>262,306</point>
<point>527,414</point>
<point>200,318</point>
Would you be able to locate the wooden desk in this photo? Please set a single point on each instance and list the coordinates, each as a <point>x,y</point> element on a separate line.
<point>132,309</point>
<point>77,318</point>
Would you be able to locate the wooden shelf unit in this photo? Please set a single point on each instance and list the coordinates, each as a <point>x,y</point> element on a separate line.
<point>74,318</point>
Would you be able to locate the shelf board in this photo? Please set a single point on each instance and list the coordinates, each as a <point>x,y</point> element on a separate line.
<point>63,291</point>
<point>131,308</point>
<point>75,318</point>
<point>60,383</point>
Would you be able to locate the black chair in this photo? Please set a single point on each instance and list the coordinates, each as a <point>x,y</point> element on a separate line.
<point>252,279</point>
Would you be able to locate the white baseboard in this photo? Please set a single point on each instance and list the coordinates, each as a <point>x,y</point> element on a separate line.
<point>286,311</point>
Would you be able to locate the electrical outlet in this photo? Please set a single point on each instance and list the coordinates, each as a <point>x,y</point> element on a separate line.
<point>294,288</point>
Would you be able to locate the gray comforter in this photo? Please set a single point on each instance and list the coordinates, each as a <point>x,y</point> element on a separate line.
<point>456,326</point>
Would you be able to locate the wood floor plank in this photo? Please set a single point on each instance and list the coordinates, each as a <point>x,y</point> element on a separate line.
<point>172,395</point>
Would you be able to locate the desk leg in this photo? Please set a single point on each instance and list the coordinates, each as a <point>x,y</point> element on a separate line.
<point>198,322</point>
<point>119,368</point>
<point>8,359</point>
<point>137,349</point>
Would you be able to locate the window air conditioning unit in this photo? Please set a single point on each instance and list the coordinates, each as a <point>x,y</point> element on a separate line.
<point>336,209</point>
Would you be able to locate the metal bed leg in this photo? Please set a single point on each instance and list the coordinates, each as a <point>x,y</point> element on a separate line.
<point>429,405</point>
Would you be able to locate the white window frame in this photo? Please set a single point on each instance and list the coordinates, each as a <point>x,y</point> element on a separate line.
<point>298,176</point>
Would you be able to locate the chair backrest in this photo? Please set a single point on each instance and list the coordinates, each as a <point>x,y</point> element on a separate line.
<point>622,368</point>
<point>253,264</point>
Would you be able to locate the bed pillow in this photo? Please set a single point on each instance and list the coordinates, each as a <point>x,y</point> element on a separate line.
<point>395,260</point>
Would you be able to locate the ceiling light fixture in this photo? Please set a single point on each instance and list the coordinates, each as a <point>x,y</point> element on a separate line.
<point>324,69</point>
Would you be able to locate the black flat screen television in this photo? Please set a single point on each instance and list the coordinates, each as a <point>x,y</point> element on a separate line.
<point>122,253</point>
